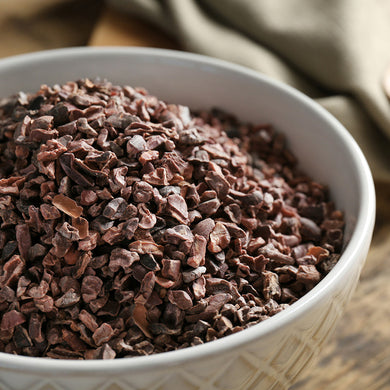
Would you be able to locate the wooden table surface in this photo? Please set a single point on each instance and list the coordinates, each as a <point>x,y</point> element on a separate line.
<point>358,356</point>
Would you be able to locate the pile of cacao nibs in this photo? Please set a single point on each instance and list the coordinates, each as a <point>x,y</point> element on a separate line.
<point>130,226</point>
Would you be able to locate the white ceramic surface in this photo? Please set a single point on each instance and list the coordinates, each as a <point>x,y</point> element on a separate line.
<point>272,354</point>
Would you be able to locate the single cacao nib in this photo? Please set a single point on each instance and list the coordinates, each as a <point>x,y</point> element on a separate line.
<point>130,226</point>
<point>11,319</point>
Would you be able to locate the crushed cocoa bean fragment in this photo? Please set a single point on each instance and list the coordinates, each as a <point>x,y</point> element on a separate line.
<point>11,319</point>
<point>70,298</point>
<point>103,334</point>
<point>67,205</point>
<point>180,298</point>
<point>129,226</point>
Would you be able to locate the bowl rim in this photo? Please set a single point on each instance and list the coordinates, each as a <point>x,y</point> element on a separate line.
<point>357,244</point>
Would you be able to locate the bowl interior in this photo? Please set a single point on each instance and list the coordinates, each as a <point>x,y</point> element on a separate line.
<point>324,149</point>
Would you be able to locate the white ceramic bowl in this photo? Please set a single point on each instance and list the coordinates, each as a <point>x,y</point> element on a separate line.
<point>272,354</point>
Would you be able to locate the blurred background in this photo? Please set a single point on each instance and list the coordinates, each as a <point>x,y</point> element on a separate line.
<point>337,52</point>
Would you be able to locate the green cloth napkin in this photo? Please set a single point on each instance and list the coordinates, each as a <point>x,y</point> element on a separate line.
<point>335,51</point>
